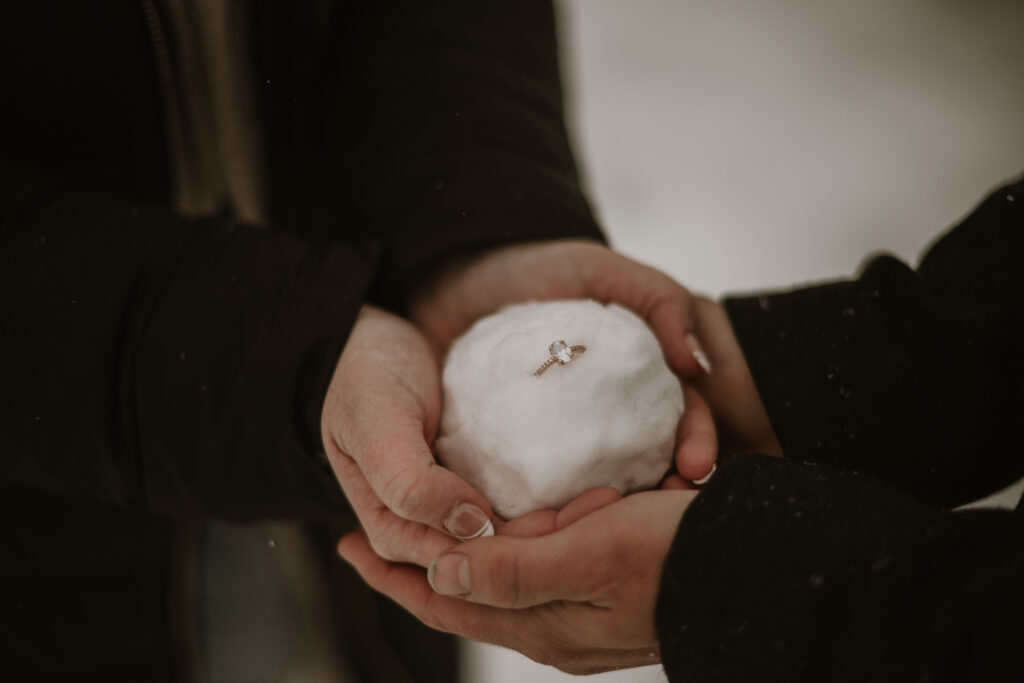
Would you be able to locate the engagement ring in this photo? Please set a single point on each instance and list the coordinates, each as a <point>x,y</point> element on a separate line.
<point>561,353</point>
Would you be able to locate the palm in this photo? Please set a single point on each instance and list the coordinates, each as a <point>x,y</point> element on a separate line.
<point>380,417</point>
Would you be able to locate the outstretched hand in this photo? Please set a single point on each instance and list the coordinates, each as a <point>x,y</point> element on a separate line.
<point>378,425</point>
<point>469,288</point>
<point>581,598</point>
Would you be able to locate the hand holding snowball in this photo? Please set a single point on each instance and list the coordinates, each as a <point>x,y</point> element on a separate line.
<point>382,409</point>
<point>580,598</point>
<point>379,420</point>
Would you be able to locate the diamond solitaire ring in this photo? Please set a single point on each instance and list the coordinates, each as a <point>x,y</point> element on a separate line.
<point>561,354</point>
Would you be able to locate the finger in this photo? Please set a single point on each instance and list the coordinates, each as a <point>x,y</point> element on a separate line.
<point>515,573</point>
<point>674,482</point>
<point>696,439</point>
<point>530,525</point>
<point>543,522</point>
<point>404,584</point>
<point>522,630</point>
<point>403,580</point>
<point>665,304</point>
<point>603,660</point>
<point>391,537</point>
<point>392,454</point>
<point>566,642</point>
<point>586,503</point>
<point>586,562</point>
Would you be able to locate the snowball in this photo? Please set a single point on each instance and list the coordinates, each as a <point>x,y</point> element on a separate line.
<point>605,418</point>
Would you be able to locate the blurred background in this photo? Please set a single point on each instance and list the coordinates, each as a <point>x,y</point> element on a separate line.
<point>743,144</point>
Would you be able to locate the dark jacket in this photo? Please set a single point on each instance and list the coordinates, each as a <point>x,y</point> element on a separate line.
<point>895,396</point>
<point>159,368</point>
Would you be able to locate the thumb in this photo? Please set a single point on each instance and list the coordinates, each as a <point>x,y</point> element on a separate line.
<point>509,572</point>
<point>663,303</point>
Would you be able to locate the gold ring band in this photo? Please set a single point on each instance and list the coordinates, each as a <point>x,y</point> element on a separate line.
<point>561,354</point>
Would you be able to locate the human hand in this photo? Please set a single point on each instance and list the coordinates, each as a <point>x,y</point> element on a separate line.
<point>378,424</point>
<point>469,288</point>
<point>581,598</point>
<point>743,425</point>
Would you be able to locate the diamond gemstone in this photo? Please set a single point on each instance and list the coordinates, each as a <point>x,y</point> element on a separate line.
<point>561,352</point>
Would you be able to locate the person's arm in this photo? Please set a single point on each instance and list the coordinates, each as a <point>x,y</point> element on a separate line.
<point>439,132</point>
<point>912,376</point>
<point>490,163</point>
<point>790,571</point>
<point>175,364</point>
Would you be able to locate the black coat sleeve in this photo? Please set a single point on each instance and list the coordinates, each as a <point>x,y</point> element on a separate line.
<point>803,569</point>
<point>181,364</point>
<point>442,132</point>
<point>791,571</point>
<point>156,361</point>
<point>915,377</point>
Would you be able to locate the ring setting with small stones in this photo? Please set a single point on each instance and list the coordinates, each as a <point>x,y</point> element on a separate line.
<point>561,354</point>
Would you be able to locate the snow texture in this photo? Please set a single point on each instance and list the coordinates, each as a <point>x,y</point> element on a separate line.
<point>606,418</point>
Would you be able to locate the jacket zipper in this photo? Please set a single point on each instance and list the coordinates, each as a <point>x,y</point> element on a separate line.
<point>168,92</point>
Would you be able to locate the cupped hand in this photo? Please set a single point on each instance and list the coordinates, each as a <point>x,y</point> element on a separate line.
<point>379,421</point>
<point>471,287</point>
<point>581,598</point>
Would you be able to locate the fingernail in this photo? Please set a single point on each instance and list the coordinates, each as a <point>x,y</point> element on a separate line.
<point>466,521</point>
<point>707,477</point>
<point>449,574</point>
<point>698,353</point>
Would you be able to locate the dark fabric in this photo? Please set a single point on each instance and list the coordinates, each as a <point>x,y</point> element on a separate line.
<point>914,377</point>
<point>894,396</point>
<point>162,362</point>
<point>438,126</point>
<point>791,571</point>
<point>87,592</point>
<point>156,366</point>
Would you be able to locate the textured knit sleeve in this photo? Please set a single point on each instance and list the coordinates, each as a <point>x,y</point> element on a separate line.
<point>915,377</point>
<point>791,571</point>
<point>173,364</point>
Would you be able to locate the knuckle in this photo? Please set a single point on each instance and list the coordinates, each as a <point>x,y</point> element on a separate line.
<point>554,656</point>
<point>434,621</point>
<point>544,654</point>
<point>399,540</point>
<point>403,494</point>
<point>419,543</point>
<point>383,546</point>
<point>503,576</point>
